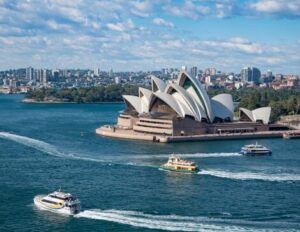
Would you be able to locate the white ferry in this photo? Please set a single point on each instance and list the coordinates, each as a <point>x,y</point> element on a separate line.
<point>255,149</point>
<point>58,202</point>
<point>175,163</point>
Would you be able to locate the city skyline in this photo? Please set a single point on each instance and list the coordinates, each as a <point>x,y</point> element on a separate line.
<point>150,35</point>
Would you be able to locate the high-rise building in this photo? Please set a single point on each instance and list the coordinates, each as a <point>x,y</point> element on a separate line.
<point>269,73</point>
<point>55,75</point>
<point>245,74</point>
<point>194,71</point>
<point>210,71</point>
<point>29,73</point>
<point>111,73</point>
<point>97,72</point>
<point>38,75</point>
<point>278,77</point>
<point>65,72</point>
<point>117,80</point>
<point>213,71</point>
<point>184,68</point>
<point>5,82</point>
<point>44,76</point>
<point>255,75</point>
<point>250,75</point>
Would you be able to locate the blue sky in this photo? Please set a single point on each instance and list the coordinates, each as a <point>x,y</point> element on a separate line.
<point>151,34</point>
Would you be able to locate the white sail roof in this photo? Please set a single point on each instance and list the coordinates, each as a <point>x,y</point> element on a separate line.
<point>145,96</point>
<point>134,101</point>
<point>260,114</point>
<point>196,91</point>
<point>223,106</point>
<point>145,92</point>
<point>190,103</point>
<point>170,100</point>
<point>157,84</point>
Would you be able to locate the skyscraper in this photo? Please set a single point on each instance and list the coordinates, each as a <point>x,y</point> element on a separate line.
<point>111,73</point>
<point>250,75</point>
<point>97,72</point>
<point>245,74</point>
<point>29,73</point>
<point>255,75</point>
<point>213,71</point>
<point>38,75</point>
<point>44,76</point>
<point>194,71</point>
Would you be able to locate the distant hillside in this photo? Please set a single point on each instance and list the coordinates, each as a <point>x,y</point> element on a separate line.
<point>283,102</point>
<point>111,93</point>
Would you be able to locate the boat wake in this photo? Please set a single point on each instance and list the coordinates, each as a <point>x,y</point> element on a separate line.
<point>43,147</point>
<point>188,155</point>
<point>251,175</point>
<point>165,222</point>
<point>52,150</point>
<point>34,143</point>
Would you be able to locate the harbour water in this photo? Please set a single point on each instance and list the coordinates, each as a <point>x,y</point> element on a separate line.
<point>45,147</point>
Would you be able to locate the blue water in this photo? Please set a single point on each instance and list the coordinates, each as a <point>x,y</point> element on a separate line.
<point>45,147</point>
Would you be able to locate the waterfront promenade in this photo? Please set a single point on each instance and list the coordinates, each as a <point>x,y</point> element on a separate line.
<point>120,133</point>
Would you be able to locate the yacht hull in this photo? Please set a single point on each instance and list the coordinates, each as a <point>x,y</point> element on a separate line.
<point>179,170</point>
<point>256,152</point>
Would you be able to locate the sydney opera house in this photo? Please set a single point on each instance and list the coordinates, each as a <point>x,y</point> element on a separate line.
<point>183,109</point>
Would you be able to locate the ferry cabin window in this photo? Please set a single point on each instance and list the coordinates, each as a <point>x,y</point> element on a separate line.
<point>51,202</point>
<point>60,198</point>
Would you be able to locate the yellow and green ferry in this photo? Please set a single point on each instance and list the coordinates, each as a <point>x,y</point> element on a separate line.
<point>175,163</point>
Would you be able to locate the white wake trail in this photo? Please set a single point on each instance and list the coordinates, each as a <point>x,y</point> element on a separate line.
<point>161,222</point>
<point>251,175</point>
<point>42,146</point>
<point>34,143</point>
<point>192,155</point>
<point>52,150</point>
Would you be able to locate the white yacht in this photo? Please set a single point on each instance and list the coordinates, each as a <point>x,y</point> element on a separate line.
<point>58,202</point>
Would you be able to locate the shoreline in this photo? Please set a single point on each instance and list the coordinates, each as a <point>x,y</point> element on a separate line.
<point>32,101</point>
<point>114,132</point>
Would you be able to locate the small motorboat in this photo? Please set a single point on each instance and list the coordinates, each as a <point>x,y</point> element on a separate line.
<point>58,202</point>
<point>255,149</point>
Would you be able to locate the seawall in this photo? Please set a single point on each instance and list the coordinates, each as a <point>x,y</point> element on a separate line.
<point>114,132</point>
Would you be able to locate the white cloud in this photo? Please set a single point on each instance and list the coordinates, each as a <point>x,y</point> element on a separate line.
<point>237,44</point>
<point>6,41</point>
<point>121,26</point>
<point>71,33</point>
<point>238,40</point>
<point>273,60</point>
<point>187,9</point>
<point>141,8</point>
<point>162,22</point>
<point>281,7</point>
<point>57,26</point>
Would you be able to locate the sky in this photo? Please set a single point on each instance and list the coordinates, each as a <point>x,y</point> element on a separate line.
<point>151,34</point>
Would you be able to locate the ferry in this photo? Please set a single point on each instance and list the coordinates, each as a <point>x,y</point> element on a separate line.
<point>58,202</point>
<point>175,163</point>
<point>255,149</point>
<point>291,135</point>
